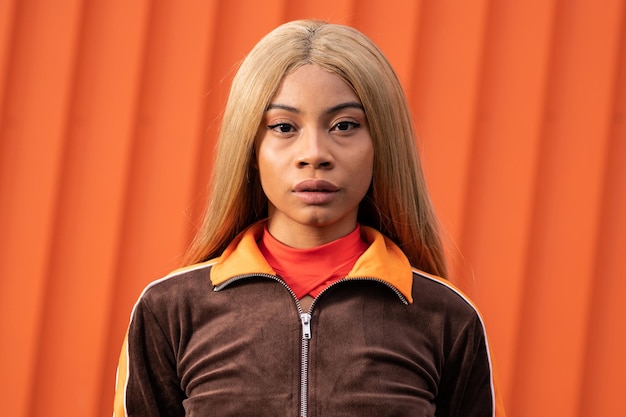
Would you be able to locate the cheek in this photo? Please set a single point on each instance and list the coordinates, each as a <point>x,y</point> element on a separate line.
<point>361,172</point>
<point>367,165</point>
<point>268,152</point>
<point>367,176</point>
<point>264,161</point>
<point>268,167</point>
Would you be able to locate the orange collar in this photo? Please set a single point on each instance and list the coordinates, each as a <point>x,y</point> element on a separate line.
<point>383,260</point>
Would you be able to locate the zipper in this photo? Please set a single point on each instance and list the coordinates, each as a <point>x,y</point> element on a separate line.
<point>306,325</point>
<point>305,318</point>
<point>305,321</point>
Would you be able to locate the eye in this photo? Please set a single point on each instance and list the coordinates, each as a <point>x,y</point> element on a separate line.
<point>282,128</point>
<point>345,126</point>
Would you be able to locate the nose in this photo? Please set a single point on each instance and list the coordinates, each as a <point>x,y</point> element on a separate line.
<point>314,150</point>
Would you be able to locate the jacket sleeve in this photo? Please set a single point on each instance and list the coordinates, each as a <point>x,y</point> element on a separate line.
<point>468,385</point>
<point>147,382</point>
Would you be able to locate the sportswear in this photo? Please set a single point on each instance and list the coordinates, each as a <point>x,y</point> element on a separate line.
<point>229,338</point>
<point>309,271</point>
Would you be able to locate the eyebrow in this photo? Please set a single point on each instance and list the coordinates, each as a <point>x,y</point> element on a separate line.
<point>330,110</point>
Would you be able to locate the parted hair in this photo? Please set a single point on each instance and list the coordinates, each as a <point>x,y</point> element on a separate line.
<point>397,203</point>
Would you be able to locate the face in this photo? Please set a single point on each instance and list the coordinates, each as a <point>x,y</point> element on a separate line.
<point>315,158</point>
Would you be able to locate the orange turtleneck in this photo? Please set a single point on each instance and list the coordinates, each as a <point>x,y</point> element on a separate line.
<point>309,271</point>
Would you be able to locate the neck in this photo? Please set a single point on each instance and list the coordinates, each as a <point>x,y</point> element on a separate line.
<point>304,237</point>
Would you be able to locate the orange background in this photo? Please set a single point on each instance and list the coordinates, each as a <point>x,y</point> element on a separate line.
<point>109,111</point>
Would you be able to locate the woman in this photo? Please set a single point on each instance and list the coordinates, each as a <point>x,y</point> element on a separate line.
<point>312,285</point>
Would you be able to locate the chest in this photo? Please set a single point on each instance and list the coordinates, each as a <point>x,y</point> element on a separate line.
<point>362,356</point>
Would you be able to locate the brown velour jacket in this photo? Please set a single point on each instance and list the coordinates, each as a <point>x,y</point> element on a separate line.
<point>229,338</point>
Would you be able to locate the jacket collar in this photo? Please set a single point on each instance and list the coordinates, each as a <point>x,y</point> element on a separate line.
<point>383,260</point>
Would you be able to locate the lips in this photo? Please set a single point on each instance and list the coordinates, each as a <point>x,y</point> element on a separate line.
<point>316,192</point>
<point>313,185</point>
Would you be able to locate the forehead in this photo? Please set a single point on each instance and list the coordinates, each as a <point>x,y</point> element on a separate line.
<point>312,84</point>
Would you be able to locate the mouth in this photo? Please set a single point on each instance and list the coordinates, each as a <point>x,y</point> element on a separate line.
<point>315,186</point>
<point>316,192</point>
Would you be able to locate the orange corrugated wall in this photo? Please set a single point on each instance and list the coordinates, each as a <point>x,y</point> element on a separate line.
<point>109,111</point>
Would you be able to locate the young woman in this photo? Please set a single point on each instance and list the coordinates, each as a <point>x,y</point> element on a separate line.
<point>313,286</point>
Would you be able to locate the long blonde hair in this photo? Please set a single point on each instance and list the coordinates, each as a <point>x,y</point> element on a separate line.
<point>397,203</point>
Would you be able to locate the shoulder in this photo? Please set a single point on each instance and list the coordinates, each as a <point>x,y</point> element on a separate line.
<point>438,294</point>
<point>179,285</point>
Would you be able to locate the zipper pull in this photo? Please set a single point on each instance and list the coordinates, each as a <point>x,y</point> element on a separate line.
<point>306,325</point>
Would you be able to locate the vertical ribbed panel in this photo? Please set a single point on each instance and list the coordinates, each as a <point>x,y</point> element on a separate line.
<point>39,58</point>
<point>109,113</point>
<point>560,271</point>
